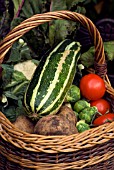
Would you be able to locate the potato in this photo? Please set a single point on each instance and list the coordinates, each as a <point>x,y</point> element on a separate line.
<point>23,123</point>
<point>64,123</point>
<point>68,113</point>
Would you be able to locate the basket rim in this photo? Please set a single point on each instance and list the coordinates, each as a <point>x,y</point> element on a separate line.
<point>56,143</point>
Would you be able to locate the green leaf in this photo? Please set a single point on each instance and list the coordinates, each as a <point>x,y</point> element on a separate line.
<point>31,7</point>
<point>72,3</point>
<point>9,112</point>
<point>20,89</point>
<point>38,42</point>
<point>6,74</point>
<point>80,10</point>
<point>58,5</point>
<point>13,110</point>
<point>10,95</point>
<point>15,55</point>
<point>36,62</point>
<point>19,52</point>
<point>16,4</point>
<point>46,35</point>
<point>13,89</point>
<point>25,53</point>
<point>59,30</point>
<point>109,50</point>
<point>15,22</point>
<point>87,58</point>
<point>11,77</point>
<point>18,76</point>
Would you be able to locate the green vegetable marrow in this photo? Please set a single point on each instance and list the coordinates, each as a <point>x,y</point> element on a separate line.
<point>52,79</point>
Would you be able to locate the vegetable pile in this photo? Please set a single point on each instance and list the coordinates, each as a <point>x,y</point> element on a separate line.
<point>82,106</point>
<point>91,109</point>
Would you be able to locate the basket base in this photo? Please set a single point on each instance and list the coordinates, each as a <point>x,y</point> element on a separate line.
<point>8,165</point>
<point>100,157</point>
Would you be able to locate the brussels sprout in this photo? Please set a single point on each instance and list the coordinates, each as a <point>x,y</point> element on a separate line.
<point>81,126</point>
<point>73,94</point>
<point>80,105</point>
<point>88,113</point>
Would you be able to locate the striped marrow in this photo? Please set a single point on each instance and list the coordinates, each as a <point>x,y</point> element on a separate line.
<point>52,79</point>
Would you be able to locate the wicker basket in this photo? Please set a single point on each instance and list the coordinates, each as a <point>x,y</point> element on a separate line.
<point>92,149</point>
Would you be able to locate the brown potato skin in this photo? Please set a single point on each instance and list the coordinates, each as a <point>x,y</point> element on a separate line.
<point>23,123</point>
<point>68,113</point>
<point>63,123</point>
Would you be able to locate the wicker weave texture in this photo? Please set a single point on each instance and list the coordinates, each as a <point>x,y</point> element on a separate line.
<point>88,150</point>
<point>70,160</point>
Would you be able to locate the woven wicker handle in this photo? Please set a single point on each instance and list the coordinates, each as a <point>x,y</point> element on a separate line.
<point>39,19</point>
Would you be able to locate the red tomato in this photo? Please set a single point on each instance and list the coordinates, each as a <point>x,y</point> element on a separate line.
<point>102,105</point>
<point>107,118</point>
<point>92,87</point>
